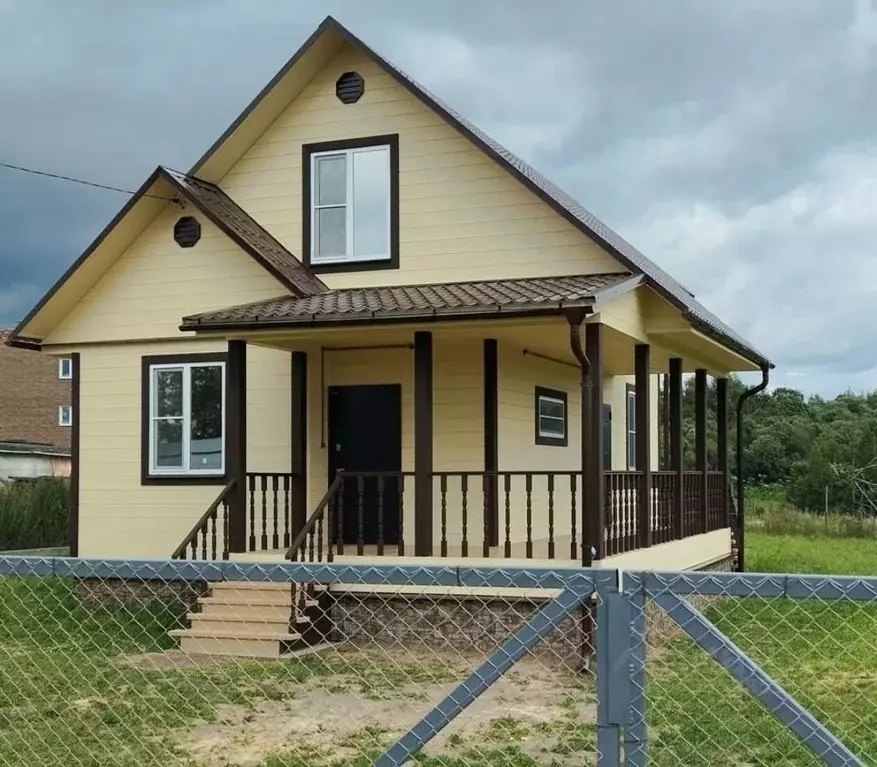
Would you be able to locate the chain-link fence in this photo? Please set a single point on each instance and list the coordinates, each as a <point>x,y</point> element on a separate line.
<point>109,663</point>
<point>220,664</point>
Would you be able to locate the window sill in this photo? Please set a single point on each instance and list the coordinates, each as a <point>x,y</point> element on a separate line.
<point>183,479</point>
<point>354,266</point>
<point>552,441</point>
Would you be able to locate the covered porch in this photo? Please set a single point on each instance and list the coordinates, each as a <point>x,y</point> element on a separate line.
<point>422,508</point>
<point>465,473</point>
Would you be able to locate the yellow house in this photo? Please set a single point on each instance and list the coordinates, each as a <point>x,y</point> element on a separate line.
<point>360,327</point>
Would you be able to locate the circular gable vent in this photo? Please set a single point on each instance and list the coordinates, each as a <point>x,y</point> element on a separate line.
<point>187,231</point>
<point>350,87</point>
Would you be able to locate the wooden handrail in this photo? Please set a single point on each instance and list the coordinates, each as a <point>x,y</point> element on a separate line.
<point>316,517</point>
<point>180,551</point>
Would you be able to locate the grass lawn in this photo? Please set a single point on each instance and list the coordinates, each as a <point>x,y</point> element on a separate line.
<point>823,653</point>
<point>88,686</point>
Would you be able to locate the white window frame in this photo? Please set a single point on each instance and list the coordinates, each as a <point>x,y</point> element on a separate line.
<point>68,362</point>
<point>65,415</point>
<point>350,213</point>
<point>185,470</point>
<point>630,423</point>
<point>562,419</point>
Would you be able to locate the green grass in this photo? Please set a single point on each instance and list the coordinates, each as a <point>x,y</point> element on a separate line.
<point>767,553</point>
<point>823,653</point>
<point>33,515</point>
<point>74,689</point>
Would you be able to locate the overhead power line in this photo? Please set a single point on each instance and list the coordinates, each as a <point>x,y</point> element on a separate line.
<point>10,166</point>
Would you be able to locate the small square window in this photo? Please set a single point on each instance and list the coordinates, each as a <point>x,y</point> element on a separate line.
<point>65,415</point>
<point>65,368</point>
<point>551,417</point>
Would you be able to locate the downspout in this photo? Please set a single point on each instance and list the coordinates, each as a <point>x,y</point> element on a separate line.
<point>741,528</point>
<point>576,319</point>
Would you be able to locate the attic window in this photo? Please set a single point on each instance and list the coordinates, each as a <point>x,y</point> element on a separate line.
<point>187,232</point>
<point>351,203</point>
<point>350,87</point>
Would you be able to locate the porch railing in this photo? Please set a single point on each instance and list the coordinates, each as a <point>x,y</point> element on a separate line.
<point>208,538</point>
<point>507,515</point>
<point>270,499</point>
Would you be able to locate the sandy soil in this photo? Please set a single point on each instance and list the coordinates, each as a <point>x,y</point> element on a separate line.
<point>334,720</point>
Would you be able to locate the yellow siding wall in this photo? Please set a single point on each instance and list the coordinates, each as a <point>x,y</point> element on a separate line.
<point>119,517</point>
<point>154,283</point>
<point>461,215</point>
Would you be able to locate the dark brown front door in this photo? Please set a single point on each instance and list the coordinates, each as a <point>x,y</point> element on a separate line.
<point>365,435</point>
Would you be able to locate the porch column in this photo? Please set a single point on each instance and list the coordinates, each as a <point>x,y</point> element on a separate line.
<point>423,532</point>
<point>491,444</point>
<point>593,511</point>
<point>642,359</point>
<point>722,445</point>
<point>700,443</point>
<point>236,443</point>
<point>676,462</point>
<point>298,431</point>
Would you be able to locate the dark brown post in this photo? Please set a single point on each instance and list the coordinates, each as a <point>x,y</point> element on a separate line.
<point>676,451</point>
<point>299,441</point>
<point>642,359</point>
<point>423,532</point>
<point>236,443</point>
<point>593,511</point>
<point>75,431</point>
<point>491,438</point>
<point>700,442</point>
<point>722,445</point>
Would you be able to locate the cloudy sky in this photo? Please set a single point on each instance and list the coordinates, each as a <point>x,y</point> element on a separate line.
<point>734,143</point>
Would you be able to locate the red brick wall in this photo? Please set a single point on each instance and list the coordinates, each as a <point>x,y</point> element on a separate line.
<point>30,395</point>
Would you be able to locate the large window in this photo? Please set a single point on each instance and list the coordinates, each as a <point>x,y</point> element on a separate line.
<point>551,417</point>
<point>351,193</point>
<point>185,416</point>
<point>631,428</point>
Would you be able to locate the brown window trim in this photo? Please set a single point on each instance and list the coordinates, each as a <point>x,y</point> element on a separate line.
<point>541,391</point>
<point>172,359</point>
<point>391,140</point>
<point>628,390</point>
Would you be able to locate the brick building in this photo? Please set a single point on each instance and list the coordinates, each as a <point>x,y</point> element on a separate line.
<point>35,413</point>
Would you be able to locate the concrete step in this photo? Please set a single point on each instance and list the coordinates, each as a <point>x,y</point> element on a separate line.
<point>231,623</point>
<point>245,608</point>
<point>199,644</point>
<point>239,632</point>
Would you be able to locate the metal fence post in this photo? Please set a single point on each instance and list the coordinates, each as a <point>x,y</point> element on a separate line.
<point>611,661</point>
<point>636,732</point>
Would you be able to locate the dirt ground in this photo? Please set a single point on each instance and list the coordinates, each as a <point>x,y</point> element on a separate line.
<point>326,722</point>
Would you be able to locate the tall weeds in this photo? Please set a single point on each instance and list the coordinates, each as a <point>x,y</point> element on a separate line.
<point>33,515</point>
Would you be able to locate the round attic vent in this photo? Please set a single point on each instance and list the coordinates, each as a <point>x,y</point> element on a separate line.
<point>187,231</point>
<point>350,87</point>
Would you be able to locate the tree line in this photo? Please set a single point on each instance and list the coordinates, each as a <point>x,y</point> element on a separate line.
<point>823,451</point>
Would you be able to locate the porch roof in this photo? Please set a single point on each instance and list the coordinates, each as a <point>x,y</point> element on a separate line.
<point>455,300</point>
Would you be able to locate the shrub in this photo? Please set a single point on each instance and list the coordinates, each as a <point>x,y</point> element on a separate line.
<point>33,515</point>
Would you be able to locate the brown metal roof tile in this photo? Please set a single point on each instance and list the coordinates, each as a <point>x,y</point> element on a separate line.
<point>417,301</point>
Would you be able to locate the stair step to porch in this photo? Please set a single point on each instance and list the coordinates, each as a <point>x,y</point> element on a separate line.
<point>217,622</point>
<point>243,632</point>
<point>258,608</point>
<point>207,643</point>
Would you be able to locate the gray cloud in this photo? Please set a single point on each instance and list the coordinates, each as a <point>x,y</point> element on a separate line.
<point>732,142</point>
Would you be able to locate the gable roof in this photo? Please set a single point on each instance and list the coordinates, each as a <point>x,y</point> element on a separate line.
<point>550,193</point>
<point>448,300</point>
<point>220,209</point>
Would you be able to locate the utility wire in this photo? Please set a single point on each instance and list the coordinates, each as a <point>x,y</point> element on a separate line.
<point>80,181</point>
